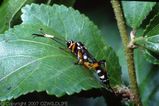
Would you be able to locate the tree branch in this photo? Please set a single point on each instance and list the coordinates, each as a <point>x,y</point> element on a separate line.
<point>128,51</point>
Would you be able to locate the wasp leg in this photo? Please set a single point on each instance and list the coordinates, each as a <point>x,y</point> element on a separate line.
<point>88,65</point>
<point>78,62</point>
<point>102,61</point>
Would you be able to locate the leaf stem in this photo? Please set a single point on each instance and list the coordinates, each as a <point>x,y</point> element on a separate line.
<point>128,51</point>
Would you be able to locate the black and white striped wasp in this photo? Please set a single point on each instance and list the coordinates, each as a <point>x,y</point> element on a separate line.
<point>83,57</point>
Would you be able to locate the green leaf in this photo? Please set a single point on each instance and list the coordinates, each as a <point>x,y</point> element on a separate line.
<point>8,9</point>
<point>150,43</point>
<point>149,87</point>
<point>37,64</point>
<point>147,75</point>
<point>123,62</point>
<point>153,27</point>
<point>150,46</point>
<point>151,57</point>
<point>80,29</point>
<point>136,11</point>
<point>29,64</point>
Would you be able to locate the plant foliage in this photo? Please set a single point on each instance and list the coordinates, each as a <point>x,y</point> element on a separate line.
<point>30,64</point>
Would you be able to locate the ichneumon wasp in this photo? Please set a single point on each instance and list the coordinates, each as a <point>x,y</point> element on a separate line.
<point>83,56</point>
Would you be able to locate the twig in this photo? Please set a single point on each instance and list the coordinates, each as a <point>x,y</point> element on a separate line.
<point>128,51</point>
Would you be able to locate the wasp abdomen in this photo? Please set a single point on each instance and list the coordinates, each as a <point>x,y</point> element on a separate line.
<point>102,75</point>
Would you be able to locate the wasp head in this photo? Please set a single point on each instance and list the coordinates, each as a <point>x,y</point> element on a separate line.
<point>69,43</point>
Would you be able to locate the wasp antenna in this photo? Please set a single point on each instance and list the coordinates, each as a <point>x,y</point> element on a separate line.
<point>39,35</point>
<point>43,35</point>
<point>64,49</point>
<point>48,36</point>
<point>58,41</point>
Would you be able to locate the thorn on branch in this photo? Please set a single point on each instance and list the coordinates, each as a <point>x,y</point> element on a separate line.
<point>132,38</point>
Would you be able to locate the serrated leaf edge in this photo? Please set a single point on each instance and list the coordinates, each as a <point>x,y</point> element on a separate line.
<point>146,15</point>
<point>147,26</point>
